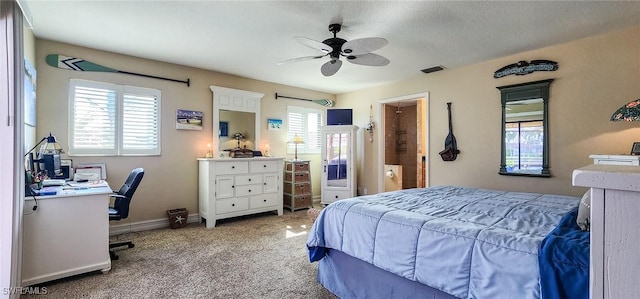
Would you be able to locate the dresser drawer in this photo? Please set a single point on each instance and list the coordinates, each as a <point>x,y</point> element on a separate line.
<point>296,202</point>
<point>231,205</point>
<point>297,166</point>
<point>246,190</point>
<point>331,196</point>
<point>264,166</point>
<point>263,200</point>
<point>297,188</point>
<point>232,167</point>
<point>248,179</point>
<point>300,177</point>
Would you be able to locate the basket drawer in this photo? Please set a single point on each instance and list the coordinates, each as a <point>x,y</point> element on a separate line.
<point>300,177</point>
<point>297,202</point>
<point>297,166</point>
<point>297,188</point>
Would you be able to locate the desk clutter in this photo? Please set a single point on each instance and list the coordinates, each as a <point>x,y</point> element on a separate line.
<point>41,181</point>
<point>66,188</point>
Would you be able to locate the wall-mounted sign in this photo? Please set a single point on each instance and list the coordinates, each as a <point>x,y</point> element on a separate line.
<point>523,68</point>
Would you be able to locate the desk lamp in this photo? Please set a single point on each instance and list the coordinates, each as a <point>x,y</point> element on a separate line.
<point>628,112</point>
<point>48,155</point>
<point>296,140</point>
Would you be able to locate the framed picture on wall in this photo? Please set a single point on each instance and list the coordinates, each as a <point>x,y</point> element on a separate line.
<point>274,124</point>
<point>224,129</point>
<point>188,120</point>
<point>635,149</point>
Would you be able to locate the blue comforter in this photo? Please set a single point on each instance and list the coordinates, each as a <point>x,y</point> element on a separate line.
<point>564,261</point>
<point>471,243</point>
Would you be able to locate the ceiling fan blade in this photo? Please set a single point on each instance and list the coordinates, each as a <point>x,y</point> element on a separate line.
<point>363,45</point>
<point>370,59</point>
<point>305,58</point>
<point>314,44</point>
<point>331,67</point>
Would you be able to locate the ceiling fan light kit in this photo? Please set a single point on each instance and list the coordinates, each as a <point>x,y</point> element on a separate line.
<point>357,51</point>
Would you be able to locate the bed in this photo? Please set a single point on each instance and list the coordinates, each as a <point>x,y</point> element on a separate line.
<point>451,242</point>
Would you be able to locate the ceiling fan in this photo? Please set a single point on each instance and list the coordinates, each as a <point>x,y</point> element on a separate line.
<point>356,51</point>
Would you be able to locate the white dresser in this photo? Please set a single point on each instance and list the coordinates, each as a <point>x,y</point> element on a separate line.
<point>615,236</point>
<point>230,187</point>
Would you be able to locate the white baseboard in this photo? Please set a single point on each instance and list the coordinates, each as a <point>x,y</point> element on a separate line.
<point>146,225</point>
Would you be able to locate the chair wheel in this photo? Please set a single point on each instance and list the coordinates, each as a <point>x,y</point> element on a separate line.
<point>113,256</point>
<point>131,245</point>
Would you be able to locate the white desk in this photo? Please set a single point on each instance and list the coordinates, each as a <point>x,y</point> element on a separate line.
<point>67,235</point>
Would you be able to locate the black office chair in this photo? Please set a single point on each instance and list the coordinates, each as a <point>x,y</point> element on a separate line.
<point>120,208</point>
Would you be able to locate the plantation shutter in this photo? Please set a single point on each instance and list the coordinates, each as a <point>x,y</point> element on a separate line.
<point>306,123</point>
<point>140,126</point>
<point>93,126</point>
<point>109,119</point>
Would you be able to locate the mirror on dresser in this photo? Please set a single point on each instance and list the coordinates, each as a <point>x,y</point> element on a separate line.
<point>239,111</point>
<point>525,129</point>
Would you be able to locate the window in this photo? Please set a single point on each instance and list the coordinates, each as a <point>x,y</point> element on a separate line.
<point>110,119</point>
<point>523,145</point>
<point>304,122</point>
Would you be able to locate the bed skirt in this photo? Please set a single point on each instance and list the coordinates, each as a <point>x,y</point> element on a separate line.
<point>348,277</point>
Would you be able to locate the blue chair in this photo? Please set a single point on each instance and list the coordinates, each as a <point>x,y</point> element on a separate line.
<point>120,208</point>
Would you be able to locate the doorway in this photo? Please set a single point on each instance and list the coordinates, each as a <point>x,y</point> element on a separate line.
<point>403,159</point>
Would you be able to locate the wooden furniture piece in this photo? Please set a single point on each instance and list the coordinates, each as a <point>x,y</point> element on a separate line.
<point>615,238</point>
<point>234,187</point>
<point>68,234</point>
<point>615,159</point>
<point>338,154</point>
<point>297,185</point>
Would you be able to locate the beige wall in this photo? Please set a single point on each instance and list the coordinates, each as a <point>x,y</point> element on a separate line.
<point>596,76</point>
<point>171,180</point>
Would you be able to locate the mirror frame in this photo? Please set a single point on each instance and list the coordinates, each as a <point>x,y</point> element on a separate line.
<point>519,92</point>
<point>235,100</point>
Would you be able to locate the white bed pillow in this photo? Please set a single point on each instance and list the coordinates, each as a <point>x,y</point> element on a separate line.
<point>584,212</point>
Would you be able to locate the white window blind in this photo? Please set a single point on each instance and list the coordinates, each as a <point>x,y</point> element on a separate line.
<point>110,119</point>
<point>304,122</point>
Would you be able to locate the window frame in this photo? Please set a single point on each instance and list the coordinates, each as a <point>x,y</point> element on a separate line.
<point>304,148</point>
<point>120,92</point>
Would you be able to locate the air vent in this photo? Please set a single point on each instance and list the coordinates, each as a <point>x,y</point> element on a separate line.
<point>432,69</point>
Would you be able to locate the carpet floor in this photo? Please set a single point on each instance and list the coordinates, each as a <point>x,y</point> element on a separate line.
<point>261,256</point>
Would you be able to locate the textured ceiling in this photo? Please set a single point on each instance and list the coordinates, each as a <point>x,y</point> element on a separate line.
<point>249,38</point>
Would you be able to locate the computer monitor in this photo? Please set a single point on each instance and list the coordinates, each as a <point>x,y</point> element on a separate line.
<point>51,163</point>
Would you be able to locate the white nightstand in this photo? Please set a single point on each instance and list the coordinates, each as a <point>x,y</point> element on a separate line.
<point>616,159</point>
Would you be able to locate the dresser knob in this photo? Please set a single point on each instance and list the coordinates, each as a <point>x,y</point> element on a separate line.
<point>233,204</point>
<point>336,196</point>
<point>265,165</point>
<point>264,200</point>
<point>233,167</point>
<point>249,190</point>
